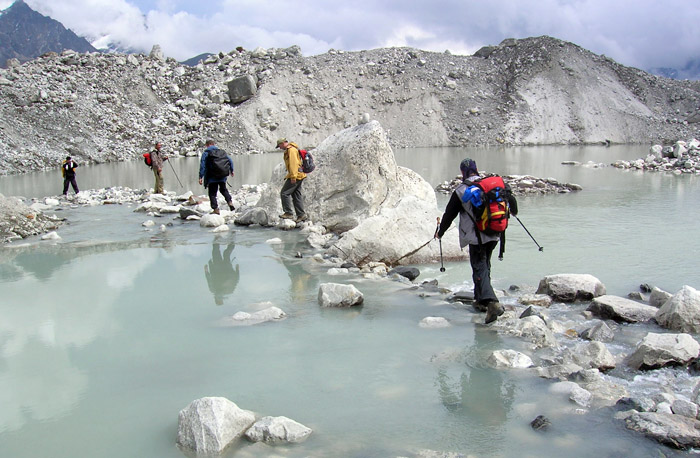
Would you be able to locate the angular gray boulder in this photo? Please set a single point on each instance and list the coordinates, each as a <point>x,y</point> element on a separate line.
<point>659,350</point>
<point>621,309</point>
<point>571,287</point>
<point>242,88</point>
<point>675,431</point>
<point>681,312</point>
<point>208,425</point>
<point>273,430</point>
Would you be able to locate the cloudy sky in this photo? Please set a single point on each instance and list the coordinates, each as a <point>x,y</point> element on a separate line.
<point>639,33</point>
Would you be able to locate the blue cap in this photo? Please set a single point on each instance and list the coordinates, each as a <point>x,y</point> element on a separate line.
<point>468,167</point>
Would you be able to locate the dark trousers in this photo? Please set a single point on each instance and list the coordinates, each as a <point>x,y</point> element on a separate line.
<point>480,259</point>
<point>220,187</point>
<point>70,181</point>
<point>291,195</point>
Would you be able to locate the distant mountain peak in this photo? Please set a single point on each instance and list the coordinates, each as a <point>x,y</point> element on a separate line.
<point>26,34</point>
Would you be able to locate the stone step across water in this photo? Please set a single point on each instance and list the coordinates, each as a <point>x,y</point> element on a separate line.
<point>520,185</point>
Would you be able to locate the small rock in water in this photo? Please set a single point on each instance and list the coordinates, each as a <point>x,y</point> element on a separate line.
<point>541,423</point>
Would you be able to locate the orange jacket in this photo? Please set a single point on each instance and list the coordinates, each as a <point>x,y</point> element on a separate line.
<point>292,160</point>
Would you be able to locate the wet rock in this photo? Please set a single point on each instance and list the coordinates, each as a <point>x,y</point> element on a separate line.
<point>409,272</point>
<point>600,332</point>
<point>658,297</point>
<point>593,355</point>
<point>540,423</point>
<point>675,431</point>
<point>685,408</point>
<point>208,425</point>
<point>434,322</point>
<point>682,311</point>
<point>212,220</point>
<point>250,319</point>
<point>660,350</point>
<point>275,430</point>
<point>533,329</point>
<point>252,216</point>
<point>558,371</point>
<point>621,309</point>
<point>571,287</point>
<point>338,295</point>
<point>540,300</point>
<point>509,359</point>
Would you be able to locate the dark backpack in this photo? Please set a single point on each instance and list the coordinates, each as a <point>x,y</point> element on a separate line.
<point>218,165</point>
<point>147,159</point>
<point>307,161</point>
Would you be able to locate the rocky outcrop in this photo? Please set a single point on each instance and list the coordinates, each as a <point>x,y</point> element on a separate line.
<point>18,221</point>
<point>121,103</point>
<point>682,157</point>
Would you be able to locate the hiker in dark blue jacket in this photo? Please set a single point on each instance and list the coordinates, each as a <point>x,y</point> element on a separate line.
<point>214,168</point>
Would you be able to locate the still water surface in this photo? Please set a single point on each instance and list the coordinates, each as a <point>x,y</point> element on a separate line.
<point>106,335</point>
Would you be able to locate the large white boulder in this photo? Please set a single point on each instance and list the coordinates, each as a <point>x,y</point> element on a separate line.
<point>208,425</point>
<point>384,211</point>
<point>682,311</point>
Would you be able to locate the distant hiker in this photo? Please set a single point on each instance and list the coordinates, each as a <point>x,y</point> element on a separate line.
<point>468,202</point>
<point>68,172</point>
<point>214,168</point>
<point>291,190</point>
<point>222,279</point>
<point>157,159</point>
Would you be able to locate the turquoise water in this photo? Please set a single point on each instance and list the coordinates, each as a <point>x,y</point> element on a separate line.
<point>106,335</point>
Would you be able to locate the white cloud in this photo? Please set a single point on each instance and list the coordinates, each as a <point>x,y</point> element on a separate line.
<point>641,33</point>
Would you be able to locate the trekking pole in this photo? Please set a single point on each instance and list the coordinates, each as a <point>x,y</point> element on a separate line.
<point>442,266</point>
<point>178,178</point>
<point>528,233</point>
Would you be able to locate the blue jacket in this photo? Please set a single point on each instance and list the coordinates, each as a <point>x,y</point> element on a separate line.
<point>203,167</point>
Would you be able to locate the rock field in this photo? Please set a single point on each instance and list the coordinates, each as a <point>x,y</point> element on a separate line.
<point>113,107</point>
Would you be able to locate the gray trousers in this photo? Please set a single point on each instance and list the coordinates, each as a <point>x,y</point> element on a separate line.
<point>480,259</point>
<point>291,195</point>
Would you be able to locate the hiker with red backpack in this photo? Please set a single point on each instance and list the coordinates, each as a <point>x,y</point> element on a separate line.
<point>484,206</point>
<point>214,168</point>
<point>157,159</point>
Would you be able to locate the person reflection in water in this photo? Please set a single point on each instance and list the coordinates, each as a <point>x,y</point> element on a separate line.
<point>481,397</point>
<point>222,278</point>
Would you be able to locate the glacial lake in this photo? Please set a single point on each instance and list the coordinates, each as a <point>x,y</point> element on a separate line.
<point>108,333</point>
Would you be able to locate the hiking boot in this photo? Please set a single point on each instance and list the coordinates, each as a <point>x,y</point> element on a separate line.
<point>301,218</point>
<point>216,211</point>
<point>286,215</point>
<point>493,311</point>
<point>230,206</point>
